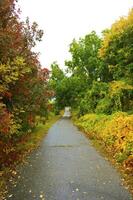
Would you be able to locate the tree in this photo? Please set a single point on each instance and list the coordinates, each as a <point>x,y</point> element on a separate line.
<point>23,83</point>
<point>117,49</point>
<point>85,61</point>
<point>67,89</point>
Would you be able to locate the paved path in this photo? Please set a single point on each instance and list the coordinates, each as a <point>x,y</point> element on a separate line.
<point>67,167</point>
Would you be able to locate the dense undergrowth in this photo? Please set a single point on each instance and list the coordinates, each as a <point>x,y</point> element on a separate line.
<point>114,133</point>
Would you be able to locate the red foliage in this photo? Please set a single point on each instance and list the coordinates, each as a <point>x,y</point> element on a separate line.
<point>5,118</point>
<point>27,96</point>
<point>7,94</point>
<point>31,120</point>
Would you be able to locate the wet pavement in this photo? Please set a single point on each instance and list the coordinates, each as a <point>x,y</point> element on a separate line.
<point>67,167</point>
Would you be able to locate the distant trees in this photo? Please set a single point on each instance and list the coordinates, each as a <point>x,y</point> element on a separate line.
<point>66,89</point>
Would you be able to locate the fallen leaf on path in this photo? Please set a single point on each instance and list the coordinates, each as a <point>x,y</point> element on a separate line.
<point>84,192</point>
<point>10,195</point>
<point>42,197</point>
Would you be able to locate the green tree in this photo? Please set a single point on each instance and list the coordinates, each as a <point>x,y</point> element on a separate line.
<point>85,61</point>
<point>67,89</point>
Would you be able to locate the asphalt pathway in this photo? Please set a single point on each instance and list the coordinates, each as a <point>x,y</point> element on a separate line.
<point>66,167</point>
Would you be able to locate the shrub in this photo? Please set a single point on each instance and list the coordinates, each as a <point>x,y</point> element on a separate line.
<point>104,106</point>
<point>114,131</point>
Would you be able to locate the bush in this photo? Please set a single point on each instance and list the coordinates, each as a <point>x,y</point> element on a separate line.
<point>104,106</point>
<point>92,97</point>
<point>114,131</point>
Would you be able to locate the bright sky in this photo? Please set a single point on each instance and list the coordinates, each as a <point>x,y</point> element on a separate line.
<point>63,20</point>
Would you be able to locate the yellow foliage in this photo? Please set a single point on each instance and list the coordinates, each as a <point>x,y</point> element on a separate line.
<point>11,72</point>
<point>114,131</point>
<point>116,30</point>
<point>117,86</point>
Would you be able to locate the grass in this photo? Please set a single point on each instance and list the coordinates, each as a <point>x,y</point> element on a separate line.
<point>24,147</point>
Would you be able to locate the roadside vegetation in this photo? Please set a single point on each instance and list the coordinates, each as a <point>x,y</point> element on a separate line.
<point>25,97</point>
<point>24,90</point>
<point>20,150</point>
<point>112,136</point>
<point>98,85</point>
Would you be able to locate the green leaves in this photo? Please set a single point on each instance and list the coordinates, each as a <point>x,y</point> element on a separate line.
<point>85,61</point>
<point>67,89</point>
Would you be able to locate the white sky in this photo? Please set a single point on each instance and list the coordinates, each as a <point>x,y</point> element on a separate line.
<point>63,20</point>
